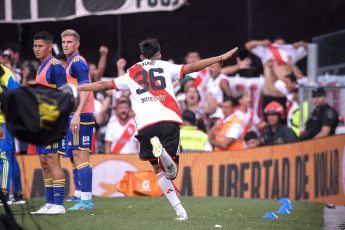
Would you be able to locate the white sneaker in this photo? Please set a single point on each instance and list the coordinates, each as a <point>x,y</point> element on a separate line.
<point>182,216</point>
<point>55,210</point>
<point>157,147</point>
<point>42,210</point>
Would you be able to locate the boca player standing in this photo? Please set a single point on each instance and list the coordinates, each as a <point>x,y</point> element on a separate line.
<point>158,117</point>
<point>81,122</point>
<point>52,74</point>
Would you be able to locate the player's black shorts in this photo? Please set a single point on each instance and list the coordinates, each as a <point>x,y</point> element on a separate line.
<point>168,134</point>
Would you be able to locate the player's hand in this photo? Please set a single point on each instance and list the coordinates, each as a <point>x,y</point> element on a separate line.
<point>228,54</point>
<point>265,42</point>
<point>218,125</point>
<point>2,134</point>
<point>109,92</point>
<point>171,61</point>
<point>103,50</point>
<point>270,63</point>
<point>243,64</point>
<point>121,63</point>
<point>75,124</point>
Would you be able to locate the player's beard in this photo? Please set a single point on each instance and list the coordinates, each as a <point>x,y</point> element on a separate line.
<point>124,117</point>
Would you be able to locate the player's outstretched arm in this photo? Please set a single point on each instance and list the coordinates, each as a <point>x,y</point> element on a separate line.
<point>202,64</point>
<point>96,86</point>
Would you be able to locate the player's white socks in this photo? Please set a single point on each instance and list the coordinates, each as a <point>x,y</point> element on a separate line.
<point>168,189</point>
<point>77,193</point>
<point>86,196</point>
<point>167,165</point>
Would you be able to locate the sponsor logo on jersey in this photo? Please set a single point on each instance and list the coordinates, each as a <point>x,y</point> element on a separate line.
<point>156,98</point>
<point>86,140</point>
<point>130,130</point>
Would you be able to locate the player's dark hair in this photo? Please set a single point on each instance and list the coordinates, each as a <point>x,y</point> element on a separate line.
<point>149,47</point>
<point>292,77</point>
<point>232,99</point>
<point>250,135</point>
<point>43,35</point>
<point>61,56</point>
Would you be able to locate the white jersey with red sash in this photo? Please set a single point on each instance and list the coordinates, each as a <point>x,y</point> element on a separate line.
<point>153,97</point>
<point>279,53</point>
<point>213,87</point>
<point>122,137</point>
<point>249,119</point>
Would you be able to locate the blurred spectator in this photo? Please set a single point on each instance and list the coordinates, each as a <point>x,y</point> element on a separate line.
<point>28,73</point>
<point>101,118</point>
<point>16,49</point>
<point>191,57</point>
<point>284,55</point>
<point>290,84</point>
<point>6,59</point>
<point>248,116</point>
<point>192,140</point>
<point>96,72</point>
<point>323,120</point>
<point>227,134</point>
<point>183,85</point>
<point>121,131</point>
<point>200,108</point>
<point>295,111</point>
<point>217,85</point>
<point>251,140</point>
<point>241,64</point>
<point>121,64</point>
<point>278,59</point>
<point>270,89</point>
<point>61,57</point>
<point>276,132</point>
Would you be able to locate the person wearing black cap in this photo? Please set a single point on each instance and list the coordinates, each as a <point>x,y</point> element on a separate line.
<point>323,120</point>
<point>191,138</point>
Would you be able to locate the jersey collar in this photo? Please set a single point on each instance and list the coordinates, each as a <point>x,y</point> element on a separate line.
<point>44,63</point>
<point>69,61</point>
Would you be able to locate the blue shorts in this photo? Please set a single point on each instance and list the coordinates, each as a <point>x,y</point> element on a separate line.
<point>83,139</point>
<point>8,143</point>
<point>57,147</point>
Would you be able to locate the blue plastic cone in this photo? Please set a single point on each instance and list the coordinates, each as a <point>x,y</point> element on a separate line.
<point>284,201</point>
<point>287,206</point>
<point>283,211</point>
<point>270,215</point>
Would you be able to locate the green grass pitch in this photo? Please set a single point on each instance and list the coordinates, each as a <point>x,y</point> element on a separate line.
<point>156,213</point>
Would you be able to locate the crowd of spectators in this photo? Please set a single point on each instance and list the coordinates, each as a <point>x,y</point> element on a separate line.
<point>214,117</point>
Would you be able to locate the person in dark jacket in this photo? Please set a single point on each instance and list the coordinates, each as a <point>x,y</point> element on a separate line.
<point>276,132</point>
<point>323,120</point>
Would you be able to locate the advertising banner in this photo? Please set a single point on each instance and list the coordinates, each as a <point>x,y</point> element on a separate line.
<point>307,171</point>
<point>27,11</point>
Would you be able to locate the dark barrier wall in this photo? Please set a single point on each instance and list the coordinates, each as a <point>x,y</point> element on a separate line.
<point>308,171</point>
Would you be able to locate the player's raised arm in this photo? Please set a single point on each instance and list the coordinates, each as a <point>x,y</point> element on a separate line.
<point>96,86</point>
<point>202,64</point>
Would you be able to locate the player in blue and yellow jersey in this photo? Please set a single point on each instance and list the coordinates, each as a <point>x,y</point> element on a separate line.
<point>81,122</point>
<point>52,74</point>
<point>8,162</point>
